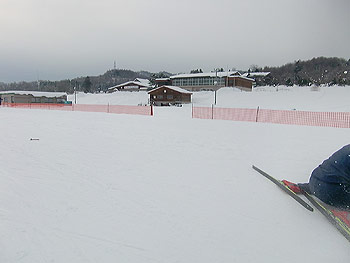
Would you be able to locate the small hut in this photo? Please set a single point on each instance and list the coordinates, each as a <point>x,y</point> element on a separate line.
<point>169,95</point>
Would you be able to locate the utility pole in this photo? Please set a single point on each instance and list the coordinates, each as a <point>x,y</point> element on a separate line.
<point>216,83</point>
<point>75,92</point>
<point>38,81</point>
<point>215,97</point>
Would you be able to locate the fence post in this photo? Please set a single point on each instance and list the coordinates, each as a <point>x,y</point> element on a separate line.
<point>151,109</point>
<point>192,110</point>
<point>212,111</point>
<point>108,108</point>
<point>257,114</point>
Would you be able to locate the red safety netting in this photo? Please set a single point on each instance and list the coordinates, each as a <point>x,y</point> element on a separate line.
<point>90,108</point>
<point>234,114</point>
<point>119,109</point>
<point>44,106</point>
<point>224,114</point>
<point>326,119</point>
<point>136,110</point>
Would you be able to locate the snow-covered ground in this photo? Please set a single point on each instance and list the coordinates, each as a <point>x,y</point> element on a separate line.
<point>100,187</point>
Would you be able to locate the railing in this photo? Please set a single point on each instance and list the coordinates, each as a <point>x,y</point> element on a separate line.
<point>293,117</point>
<point>118,109</point>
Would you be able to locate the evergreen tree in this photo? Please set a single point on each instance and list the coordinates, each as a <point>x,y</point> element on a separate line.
<point>289,82</point>
<point>87,85</point>
<point>194,71</point>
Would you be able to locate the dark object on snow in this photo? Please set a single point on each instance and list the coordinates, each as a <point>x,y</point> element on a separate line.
<point>339,218</point>
<point>285,188</point>
<point>330,181</point>
<point>34,139</point>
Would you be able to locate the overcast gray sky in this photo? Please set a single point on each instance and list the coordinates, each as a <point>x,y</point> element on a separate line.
<point>60,39</point>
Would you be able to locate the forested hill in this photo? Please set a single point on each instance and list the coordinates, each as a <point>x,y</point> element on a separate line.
<point>317,71</point>
<point>87,83</point>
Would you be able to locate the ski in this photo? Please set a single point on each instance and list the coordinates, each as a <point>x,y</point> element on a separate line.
<point>284,188</point>
<point>340,219</point>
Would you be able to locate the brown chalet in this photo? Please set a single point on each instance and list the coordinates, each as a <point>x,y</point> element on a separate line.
<point>169,95</point>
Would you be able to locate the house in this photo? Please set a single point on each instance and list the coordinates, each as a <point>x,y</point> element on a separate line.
<point>163,82</point>
<point>33,97</point>
<point>169,95</point>
<point>211,81</point>
<point>135,85</point>
<point>260,78</point>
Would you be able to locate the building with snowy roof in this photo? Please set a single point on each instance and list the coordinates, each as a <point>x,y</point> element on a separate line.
<point>162,82</point>
<point>260,78</point>
<point>210,81</point>
<point>135,85</point>
<point>33,97</point>
<point>169,95</point>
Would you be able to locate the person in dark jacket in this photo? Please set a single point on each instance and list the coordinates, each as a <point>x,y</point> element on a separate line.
<point>330,181</point>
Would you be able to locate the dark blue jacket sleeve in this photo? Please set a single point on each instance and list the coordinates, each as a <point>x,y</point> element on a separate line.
<point>336,169</point>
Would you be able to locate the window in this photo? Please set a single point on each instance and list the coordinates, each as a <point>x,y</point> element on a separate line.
<point>170,97</point>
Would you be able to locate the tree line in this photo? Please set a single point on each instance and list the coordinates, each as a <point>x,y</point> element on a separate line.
<point>88,84</point>
<point>316,71</point>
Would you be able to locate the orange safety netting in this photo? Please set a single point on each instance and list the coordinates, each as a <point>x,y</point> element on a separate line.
<point>326,119</point>
<point>119,109</point>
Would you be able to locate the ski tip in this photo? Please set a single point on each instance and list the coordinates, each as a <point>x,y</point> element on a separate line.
<point>285,188</point>
<point>310,208</point>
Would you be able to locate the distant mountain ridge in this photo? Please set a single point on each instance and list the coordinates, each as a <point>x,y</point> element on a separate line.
<point>316,71</point>
<point>98,83</point>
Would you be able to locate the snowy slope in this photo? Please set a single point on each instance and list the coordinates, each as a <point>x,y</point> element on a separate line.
<point>100,187</point>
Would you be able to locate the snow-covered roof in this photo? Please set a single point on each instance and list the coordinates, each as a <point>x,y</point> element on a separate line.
<point>143,83</point>
<point>243,77</point>
<point>209,74</point>
<point>36,93</point>
<point>256,74</point>
<point>178,89</point>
